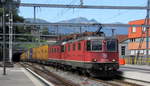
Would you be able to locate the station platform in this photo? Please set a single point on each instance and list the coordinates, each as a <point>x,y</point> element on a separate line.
<point>138,67</point>
<point>137,72</point>
<point>17,76</point>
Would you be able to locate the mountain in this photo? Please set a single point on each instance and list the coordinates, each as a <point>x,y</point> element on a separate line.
<point>79,20</point>
<point>107,30</point>
<point>66,29</point>
<point>36,21</point>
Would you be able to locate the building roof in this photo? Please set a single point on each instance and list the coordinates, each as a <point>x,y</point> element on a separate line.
<point>122,38</point>
<point>137,32</point>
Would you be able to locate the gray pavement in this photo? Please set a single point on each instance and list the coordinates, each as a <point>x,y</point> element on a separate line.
<point>17,77</point>
<point>137,72</point>
<point>137,66</point>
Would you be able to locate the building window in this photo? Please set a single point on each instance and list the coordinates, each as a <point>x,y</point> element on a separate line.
<point>133,29</point>
<point>132,52</point>
<point>143,29</point>
<point>123,50</point>
<point>132,40</point>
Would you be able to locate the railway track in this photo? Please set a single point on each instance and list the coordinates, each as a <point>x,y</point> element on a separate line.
<point>59,81</point>
<point>113,82</point>
<point>116,82</point>
<point>49,76</point>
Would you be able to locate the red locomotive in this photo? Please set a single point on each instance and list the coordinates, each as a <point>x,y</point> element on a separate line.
<point>91,53</point>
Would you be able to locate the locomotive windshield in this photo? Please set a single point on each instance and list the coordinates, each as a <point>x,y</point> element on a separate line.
<point>94,45</point>
<point>111,45</point>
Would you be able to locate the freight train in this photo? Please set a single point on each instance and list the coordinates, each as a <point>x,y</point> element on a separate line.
<point>94,54</point>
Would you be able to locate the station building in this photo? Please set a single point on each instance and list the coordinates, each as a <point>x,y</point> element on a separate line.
<point>123,45</point>
<point>137,37</point>
<point>137,43</point>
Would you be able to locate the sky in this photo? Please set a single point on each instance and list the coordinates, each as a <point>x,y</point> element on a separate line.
<point>102,16</point>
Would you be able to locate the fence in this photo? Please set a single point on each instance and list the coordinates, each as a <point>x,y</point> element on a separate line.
<point>141,60</point>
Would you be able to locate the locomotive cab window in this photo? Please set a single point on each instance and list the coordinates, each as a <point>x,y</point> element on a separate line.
<point>94,45</point>
<point>111,45</point>
<point>88,45</point>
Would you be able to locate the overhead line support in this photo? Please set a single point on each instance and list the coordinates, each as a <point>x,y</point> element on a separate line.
<point>147,31</point>
<point>77,24</point>
<point>84,6</point>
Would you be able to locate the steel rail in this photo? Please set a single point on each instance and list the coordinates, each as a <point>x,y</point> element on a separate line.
<point>83,6</point>
<point>77,24</point>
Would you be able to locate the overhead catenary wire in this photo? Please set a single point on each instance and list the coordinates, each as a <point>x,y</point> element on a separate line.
<point>64,11</point>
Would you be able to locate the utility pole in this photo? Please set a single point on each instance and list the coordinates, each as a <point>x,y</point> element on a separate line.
<point>37,30</point>
<point>81,2</point>
<point>1,37</point>
<point>33,31</point>
<point>34,27</point>
<point>147,30</point>
<point>4,41</point>
<point>57,32</point>
<point>113,32</point>
<point>34,13</point>
<point>10,34</point>
<point>10,17</point>
<point>80,30</point>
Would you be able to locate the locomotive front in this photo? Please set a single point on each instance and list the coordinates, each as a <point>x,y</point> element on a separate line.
<point>102,53</point>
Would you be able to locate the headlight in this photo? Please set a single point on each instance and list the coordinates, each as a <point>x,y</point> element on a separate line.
<point>113,60</point>
<point>94,60</point>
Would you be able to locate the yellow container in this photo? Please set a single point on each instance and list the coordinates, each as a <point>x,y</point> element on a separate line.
<point>22,57</point>
<point>39,53</point>
<point>44,52</point>
<point>34,53</point>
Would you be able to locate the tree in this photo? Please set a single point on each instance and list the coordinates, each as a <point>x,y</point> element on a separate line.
<point>45,31</point>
